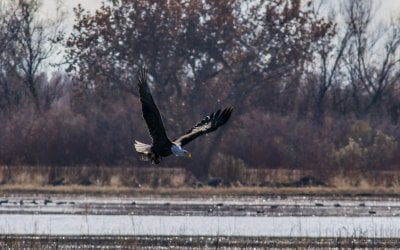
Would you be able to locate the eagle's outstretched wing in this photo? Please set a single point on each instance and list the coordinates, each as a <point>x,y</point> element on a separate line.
<point>151,114</point>
<point>208,124</point>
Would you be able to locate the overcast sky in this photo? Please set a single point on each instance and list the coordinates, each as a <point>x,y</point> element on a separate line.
<point>388,8</point>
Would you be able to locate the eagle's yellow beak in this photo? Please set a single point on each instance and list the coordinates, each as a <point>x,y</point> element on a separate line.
<point>188,155</point>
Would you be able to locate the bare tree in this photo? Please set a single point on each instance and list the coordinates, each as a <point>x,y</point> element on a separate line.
<point>326,67</point>
<point>9,30</point>
<point>36,44</point>
<point>33,42</point>
<point>377,56</point>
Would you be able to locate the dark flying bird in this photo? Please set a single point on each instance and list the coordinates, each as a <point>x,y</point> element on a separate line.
<point>162,146</point>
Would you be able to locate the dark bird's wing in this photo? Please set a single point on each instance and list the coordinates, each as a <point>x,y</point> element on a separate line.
<point>151,114</point>
<point>208,124</point>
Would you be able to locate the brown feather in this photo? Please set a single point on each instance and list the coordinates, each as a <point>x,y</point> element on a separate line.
<point>150,111</point>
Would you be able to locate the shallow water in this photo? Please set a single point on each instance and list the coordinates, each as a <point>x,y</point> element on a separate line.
<point>273,206</point>
<point>286,226</point>
<point>274,216</point>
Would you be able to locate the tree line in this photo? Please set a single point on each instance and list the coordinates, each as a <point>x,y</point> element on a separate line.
<point>310,91</point>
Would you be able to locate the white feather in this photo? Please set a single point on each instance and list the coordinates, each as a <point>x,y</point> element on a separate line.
<point>142,147</point>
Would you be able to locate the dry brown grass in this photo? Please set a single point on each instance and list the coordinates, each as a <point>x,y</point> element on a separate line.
<point>162,181</point>
<point>199,192</point>
<point>274,175</point>
<point>98,176</point>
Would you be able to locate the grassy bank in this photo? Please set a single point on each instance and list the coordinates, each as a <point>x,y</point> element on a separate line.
<point>198,192</point>
<point>177,181</point>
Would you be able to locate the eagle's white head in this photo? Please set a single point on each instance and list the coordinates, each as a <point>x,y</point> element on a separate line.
<point>179,151</point>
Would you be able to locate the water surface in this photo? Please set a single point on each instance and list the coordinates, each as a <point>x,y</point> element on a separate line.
<point>285,226</point>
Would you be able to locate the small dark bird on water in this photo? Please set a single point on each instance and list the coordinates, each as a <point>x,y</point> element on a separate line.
<point>162,146</point>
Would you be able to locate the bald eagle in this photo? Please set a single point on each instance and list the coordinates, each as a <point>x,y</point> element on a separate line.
<point>162,146</point>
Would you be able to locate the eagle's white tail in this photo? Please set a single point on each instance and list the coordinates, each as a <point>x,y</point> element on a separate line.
<point>144,150</point>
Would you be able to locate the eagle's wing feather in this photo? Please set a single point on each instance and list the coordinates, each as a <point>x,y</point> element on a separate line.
<point>208,124</point>
<point>151,114</point>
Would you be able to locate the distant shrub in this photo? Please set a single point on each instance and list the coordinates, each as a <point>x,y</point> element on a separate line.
<point>362,133</point>
<point>350,156</point>
<point>382,149</point>
<point>366,148</point>
<point>227,167</point>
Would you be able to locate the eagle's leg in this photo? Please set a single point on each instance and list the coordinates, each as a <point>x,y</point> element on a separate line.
<point>155,159</point>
